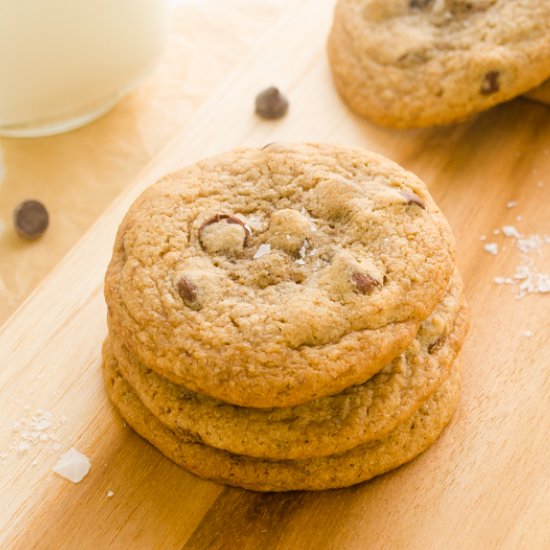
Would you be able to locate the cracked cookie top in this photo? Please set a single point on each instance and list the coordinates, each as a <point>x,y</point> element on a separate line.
<point>270,277</point>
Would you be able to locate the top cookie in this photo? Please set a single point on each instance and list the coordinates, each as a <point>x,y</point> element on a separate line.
<point>413,63</point>
<point>270,277</point>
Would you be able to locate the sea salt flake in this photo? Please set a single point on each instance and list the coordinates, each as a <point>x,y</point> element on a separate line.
<point>504,281</point>
<point>299,261</point>
<point>23,446</point>
<point>527,334</point>
<point>542,284</point>
<point>303,249</point>
<point>529,244</point>
<point>522,272</point>
<point>263,249</point>
<point>110,493</point>
<point>511,231</point>
<point>511,204</point>
<point>491,248</point>
<point>73,466</point>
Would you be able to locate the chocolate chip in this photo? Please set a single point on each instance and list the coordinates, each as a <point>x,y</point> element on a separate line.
<point>490,83</point>
<point>364,283</point>
<point>30,219</point>
<point>436,345</point>
<point>412,198</point>
<point>271,103</point>
<point>187,291</point>
<point>419,3</point>
<point>228,219</point>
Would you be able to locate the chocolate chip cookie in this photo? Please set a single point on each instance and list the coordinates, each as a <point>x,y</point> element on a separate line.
<point>325,426</point>
<point>271,277</point>
<point>403,443</point>
<point>415,63</point>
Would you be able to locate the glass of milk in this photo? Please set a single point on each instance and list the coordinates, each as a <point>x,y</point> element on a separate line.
<point>64,63</point>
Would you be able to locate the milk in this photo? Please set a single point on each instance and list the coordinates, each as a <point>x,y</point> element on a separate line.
<point>65,62</point>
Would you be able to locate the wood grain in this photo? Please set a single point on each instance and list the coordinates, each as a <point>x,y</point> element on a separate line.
<point>484,484</point>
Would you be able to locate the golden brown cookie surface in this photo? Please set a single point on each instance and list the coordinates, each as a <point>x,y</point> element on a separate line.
<point>276,276</point>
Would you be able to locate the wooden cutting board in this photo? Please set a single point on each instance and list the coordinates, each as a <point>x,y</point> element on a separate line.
<point>486,481</point>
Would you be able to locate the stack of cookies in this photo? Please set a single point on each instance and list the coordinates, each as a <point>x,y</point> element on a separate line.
<point>285,318</point>
<point>414,63</point>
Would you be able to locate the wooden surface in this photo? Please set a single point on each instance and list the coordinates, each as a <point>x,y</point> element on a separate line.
<point>484,484</point>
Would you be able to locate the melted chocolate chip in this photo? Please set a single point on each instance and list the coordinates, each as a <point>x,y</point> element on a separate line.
<point>419,3</point>
<point>412,198</point>
<point>31,219</point>
<point>436,345</point>
<point>364,283</point>
<point>490,83</point>
<point>271,103</point>
<point>187,291</point>
<point>228,219</point>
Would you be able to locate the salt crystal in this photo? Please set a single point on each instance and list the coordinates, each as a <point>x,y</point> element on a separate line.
<point>511,204</point>
<point>263,249</point>
<point>492,248</point>
<point>522,272</point>
<point>527,334</point>
<point>543,283</point>
<point>43,424</point>
<point>302,250</point>
<point>496,231</point>
<point>23,446</point>
<point>504,281</point>
<point>529,244</point>
<point>299,261</point>
<point>511,231</point>
<point>73,466</point>
<point>110,494</point>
